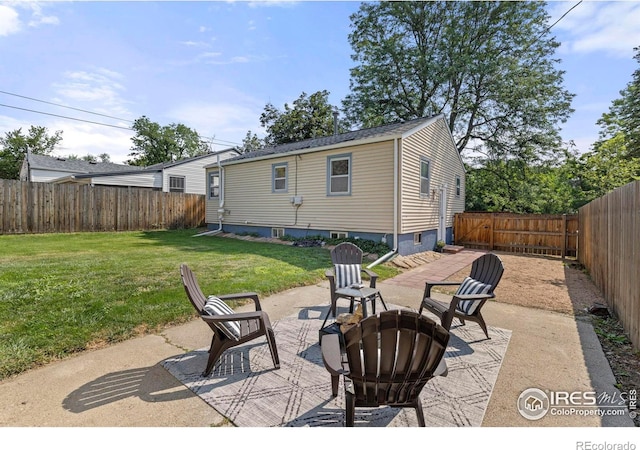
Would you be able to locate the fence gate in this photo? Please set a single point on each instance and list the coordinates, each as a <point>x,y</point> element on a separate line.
<point>542,234</point>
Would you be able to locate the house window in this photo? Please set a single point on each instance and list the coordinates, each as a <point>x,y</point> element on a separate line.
<point>338,235</point>
<point>417,238</point>
<point>176,184</point>
<point>214,185</point>
<point>279,176</point>
<point>424,176</point>
<point>458,185</point>
<point>277,232</point>
<point>339,175</point>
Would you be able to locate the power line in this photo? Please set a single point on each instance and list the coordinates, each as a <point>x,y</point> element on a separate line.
<point>67,117</point>
<point>64,106</point>
<point>221,140</point>
<point>561,17</point>
<point>212,140</point>
<point>546,30</point>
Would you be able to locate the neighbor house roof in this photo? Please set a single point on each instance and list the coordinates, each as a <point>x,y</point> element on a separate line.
<point>85,169</point>
<point>164,165</point>
<point>388,131</point>
<point>76,166</point>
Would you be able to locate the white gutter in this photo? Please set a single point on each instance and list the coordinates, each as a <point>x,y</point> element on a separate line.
<point>395,209</point>
<point>220,204</point>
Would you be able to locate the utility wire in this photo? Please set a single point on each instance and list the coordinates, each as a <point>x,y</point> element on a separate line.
<point>546,30</point>
<point>213,140</point>
<point>561,17</point>
<point>67,117</point>
<point>64,106</point>
<point>219,141</point>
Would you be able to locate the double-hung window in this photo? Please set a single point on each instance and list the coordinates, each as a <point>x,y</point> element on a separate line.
<point>214,185</point>
<point>279,176</point>
<point>425,172</point>
<point>339,175</point>
<point>176,184</point>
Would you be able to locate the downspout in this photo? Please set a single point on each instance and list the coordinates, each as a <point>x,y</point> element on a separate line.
<point>395,209</point>
<point>220,204</point>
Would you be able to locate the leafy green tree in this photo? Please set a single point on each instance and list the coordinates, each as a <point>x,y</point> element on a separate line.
<point>308,117</point>
<point>15,145</point>
<point>541,187</point>
<point>614,159</point>
<point>487,66</point>
<point>607,167</point>
<point>103,157</point>
<point>154,144</point>
<point>624,114</point>
<point>250,143</point>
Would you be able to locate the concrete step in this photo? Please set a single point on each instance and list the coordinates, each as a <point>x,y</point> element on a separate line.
<point>452,248</point>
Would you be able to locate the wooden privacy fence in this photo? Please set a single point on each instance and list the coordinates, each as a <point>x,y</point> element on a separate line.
<point>65,208</point>
<point>610,250</point>
<point>541,234</point>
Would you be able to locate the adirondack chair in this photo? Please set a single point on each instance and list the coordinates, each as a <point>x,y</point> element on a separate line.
<point>347,270</point>
<point>470,297</point>
<point>230,329</point>
<point>389,359</point>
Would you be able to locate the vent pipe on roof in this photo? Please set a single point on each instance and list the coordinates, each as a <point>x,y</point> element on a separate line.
<point>335,122</point>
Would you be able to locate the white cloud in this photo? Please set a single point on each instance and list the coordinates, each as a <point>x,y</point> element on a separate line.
<point>270,3</point>
<point>195,44</point>
<point>39,19</point>
<point>83,139</point>
<point>8,124</point>
<point>610,27</point>
<point>78,138</point>
<point>88,139</point>
<point>9,21</point>
<point>100,89</point>
<point>213,58</point>
<point>226,121</point>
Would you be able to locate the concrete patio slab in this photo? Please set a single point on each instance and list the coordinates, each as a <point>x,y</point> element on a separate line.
<point>124,385</point>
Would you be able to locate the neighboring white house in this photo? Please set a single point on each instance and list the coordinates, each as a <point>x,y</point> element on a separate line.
<point>399,183</point>
<point>185,175</point>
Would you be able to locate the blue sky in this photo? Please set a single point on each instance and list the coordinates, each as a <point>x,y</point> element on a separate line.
<point>213,65</point>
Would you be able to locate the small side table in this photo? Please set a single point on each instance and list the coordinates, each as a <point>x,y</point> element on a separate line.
<point>362,295</point>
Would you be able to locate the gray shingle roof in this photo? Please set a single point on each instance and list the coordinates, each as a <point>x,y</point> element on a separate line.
<point>76,166</point>
<point>389,130</point>
<point>185,160</point>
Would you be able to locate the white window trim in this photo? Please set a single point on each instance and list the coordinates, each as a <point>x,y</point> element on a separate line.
<point>458,186</point>
<point>277,232</point>
<point>184,184</point>
<point>338,234</point>
<point>417,238</point>
<point>330,159</point>
<point>212,174</point>
<point>273,178</point>
<point>420,177</point>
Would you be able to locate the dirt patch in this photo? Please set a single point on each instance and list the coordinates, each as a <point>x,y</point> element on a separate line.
<point>549,283</point>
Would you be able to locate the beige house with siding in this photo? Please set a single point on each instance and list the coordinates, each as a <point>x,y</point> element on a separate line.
<point>399,183</point>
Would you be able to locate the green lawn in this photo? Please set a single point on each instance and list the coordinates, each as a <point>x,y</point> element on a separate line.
<point>65,293</point>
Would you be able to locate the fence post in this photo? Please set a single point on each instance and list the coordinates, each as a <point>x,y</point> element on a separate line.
<point>563,250</point>
<point>491,228</point>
